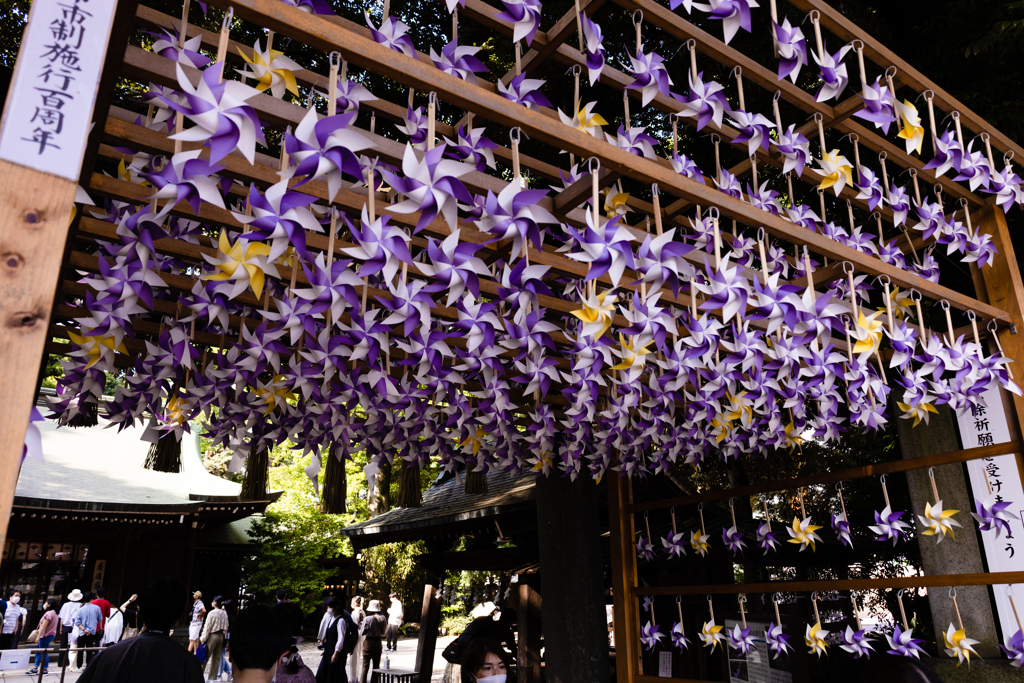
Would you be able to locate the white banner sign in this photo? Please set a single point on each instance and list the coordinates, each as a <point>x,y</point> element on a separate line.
<point>757,666</point>
<point>50,103</point>
<point>985,427</point>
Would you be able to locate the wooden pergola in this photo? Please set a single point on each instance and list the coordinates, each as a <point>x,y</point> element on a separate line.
<point>39,277</point>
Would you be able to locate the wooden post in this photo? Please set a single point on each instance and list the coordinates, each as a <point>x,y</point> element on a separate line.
<point>528,627</point>
<point>623,561</point>
<point>430,621</point>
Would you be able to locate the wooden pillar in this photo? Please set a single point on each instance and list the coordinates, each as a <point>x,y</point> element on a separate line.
<point>528,614</point>
<point>627,653</point>
<point>430,621</point>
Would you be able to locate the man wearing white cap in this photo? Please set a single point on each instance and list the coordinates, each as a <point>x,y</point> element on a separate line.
<point>195,624</point>
<point>68,612</point>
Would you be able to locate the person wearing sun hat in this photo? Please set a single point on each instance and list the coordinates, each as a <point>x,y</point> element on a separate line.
<point>68,612</point>
<point>374,626</point>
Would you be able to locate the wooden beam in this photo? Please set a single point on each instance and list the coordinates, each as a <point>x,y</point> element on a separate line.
<point>528,625</point>
<point>623,566</point>
<point>833,477</point>
<point>430,620</point>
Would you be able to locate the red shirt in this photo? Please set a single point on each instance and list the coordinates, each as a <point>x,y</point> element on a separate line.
<point>104,606</point>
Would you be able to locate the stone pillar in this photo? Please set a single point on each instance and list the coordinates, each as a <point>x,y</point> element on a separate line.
<point>575,626</point>
<point>960,556</point>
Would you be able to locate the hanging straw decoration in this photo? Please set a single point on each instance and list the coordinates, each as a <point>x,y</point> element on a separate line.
<point>710,632</point>
<point>937,522</point>
<point>778,642</point>
<point>698,539</point>
<point>957,643</point>
<point>815,635</point>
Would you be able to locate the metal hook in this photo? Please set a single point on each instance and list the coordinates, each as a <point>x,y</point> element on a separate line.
<point>931,472</point>
<point>776,596</point>
<point>900,592</point>
<point>929,95</point>
<point>432,97</point>
<point>590,164</point>
<point>575,70</point>
<point>1009,589</point>
<point>515,134</point>
<point>847,267</point>
<point>883,280</point>
<point>736,71</point>
<point>715,138</point>
<point>679,599</point>
<point>1008,157</point>
<point>911,294</point>
<point>228,18</point>
<point>646,515</point>
<point>814,15</point>
<point>937,189</point>
<point>839,486</point>
<point>814,596</point>
<point>742,597</point>
<point>777,96</point>
<point>854,44</point>
<point>891,75</point>
<point>944,305</point>
<point>716,213</point>
<point>691,44</point>
<point>760,234</point>
<point>882,478</point>
<point>952,592</point>
<point>818,118</point>
<point>700,506</point>
<point>992,326</point>
<point>331,58</point>
<point>971,315</point>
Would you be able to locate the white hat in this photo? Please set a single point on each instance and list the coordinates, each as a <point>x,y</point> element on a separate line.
<point>75,595</point>
<point>374,606</point>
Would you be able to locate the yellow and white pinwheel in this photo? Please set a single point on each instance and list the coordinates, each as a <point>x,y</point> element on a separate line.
<point>176,411</point>
<point>959,645</point>
<point>244,263</point>
<point>792,439</point>
<point>96,347</point>
<point>596,314</point>
<point>911,129</point>
<point>814,638</point>
<point>802,533</point>
<point>632,353</point>
<point>868,333</point>
<point>711,634</point>
<point>836,171</point>
<point>938,522</point>
<point>473,442</point>
<point>271,70</point>
<point>585,120</point>
<point>699,542</point>
<point>615,203</point>
<point>740,408</point>
<point>544,462</point>
<point>919,411</point>
<point>274,393</point>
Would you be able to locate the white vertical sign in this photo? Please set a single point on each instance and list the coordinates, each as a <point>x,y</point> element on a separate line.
<point>49,106</point>
<point>984,427</point>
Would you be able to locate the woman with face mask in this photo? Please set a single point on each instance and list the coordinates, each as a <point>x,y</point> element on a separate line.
<point>484,661</point>
<point>14,620</point>
<point>46,631</point>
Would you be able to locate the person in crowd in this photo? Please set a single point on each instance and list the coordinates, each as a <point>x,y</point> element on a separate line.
<point>152,657</point>
<point>14,620</point>
<point>260,637</point>
<point>130,612</point>
<point>225,666</point>
<point>374,626</point>
<point>67,631</point>
<point>354,662</point>
<point>332,666</point>
<point>293,614</point>
<point>484,661</point>
<point>113,628</point>
<point>46,631</point>
<point>100,601</point>
<point>395,616</point>
<point>214,630</point>
<point>499,630</point>
<point>293,670</point>
<point>195,623</point>
<point>87,624</point>
<point>325,620</point>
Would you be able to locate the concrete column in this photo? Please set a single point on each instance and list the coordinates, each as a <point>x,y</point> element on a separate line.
<point>960,556</point>
<point>575,626</point>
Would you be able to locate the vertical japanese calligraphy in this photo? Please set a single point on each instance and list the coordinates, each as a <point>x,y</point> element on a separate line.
<point>49,108</point>
<point>986,426</point>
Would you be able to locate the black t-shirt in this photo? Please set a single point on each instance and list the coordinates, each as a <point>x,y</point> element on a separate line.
<point>486,627</point>
<point>150,658</point>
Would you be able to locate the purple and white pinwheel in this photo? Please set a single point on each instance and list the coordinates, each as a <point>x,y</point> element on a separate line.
<point>870,188</point>
<point>792,47</point>
<point>947,154</point>
<point>635,141</point>
<point>525,14</point>
<point>778,642</point>
<point>675,544</point>
<point>382,247</point>
<point>330,290</point>
<point>186,178</point>
<point>459,61</point>
<point>899,203</point>
<point>523,284</point>
<point>974,169</point>
<point>650,74</point>
<point>1007,187</point>
<point>393,33</point>
<point>645,548</point>
<point>663,263</point>
<point>516,214</point>
<point>727,289</point>
<point>685,166</point>
<point>733,540</point>
<point>766,538</point>
<point>1014,649</point>
<point>524,91</point>
<point>223,119</point>
<point>594,43</point>
<point>311,6</point>
<point>834,77</point>
<point>431,186</point>
<point>754,130</point>
<point>325,148</point>
<point>878,106</point>
<point>741,639</point>
<point>650,635</point>
<point>795,149</point>
<point>606,248</point>
<point>455,267</point>
<point>734,15</point>
<point>841,528</point>
<point>889,526</point>
<point>678,636</point>
<point>904,644</point>
<point>166,45</point>
<point>707,101</point>
<point>992,515</point>
<point>472,148</point>
<point>281,217</point>
<point>857,643</point>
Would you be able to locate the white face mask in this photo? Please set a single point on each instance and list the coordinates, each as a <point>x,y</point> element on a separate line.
<point>16,599</point>
<point>497,678</point>
<point>330,610</point>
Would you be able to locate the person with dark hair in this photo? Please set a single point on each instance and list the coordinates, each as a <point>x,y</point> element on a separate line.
<point>195,623</point>
<point>260,637</point>
<point>332,666</point>
<point>13,620</point>
<point>46,631</point>
<point>214,630</point>
<point>293,670</point>
<point>499,630</point>
<point>396,614</point>
<point>374,626</point>
<point>484,661</point>
<point>152,657</point>
<point>101,601</point>
<point>87,622</point>
<point>293,614</point>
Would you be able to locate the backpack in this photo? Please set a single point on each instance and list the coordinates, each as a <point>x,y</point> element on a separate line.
<point>351,634</point>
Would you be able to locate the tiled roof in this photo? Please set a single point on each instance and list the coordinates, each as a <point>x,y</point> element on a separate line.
<point>448,502</point>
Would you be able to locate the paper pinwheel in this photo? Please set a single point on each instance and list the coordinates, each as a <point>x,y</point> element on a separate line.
<point>938,522</point>
<point>959,645</point>
<point>594,44</point>
<point>754,130</point>
<point>223,120</point>
<point>515,214</point>
<point>992,515</point>
<point>766,538</point>
<point>242,265</point>
<point>711,634</point>
<point>596,314</point>
<point>699,542</point>
<point>382,247</point>
<point>795,149</point>
<point>325,148</point>
<point>585,120</point>
<point>836,171</point>
<point>814,639</point>
<point>857,643</point>
<point>733,539</point>
<point>685,166</point>
<point>679,638</point>
<point>271,70</point>
<point>524,284</point>
<point>870,188</point>
<point>606,248</point>
<point>525,14</point>
<point>393,33</point>
<point>454,266</point>
<point>889,526</point>
<point>841,528</point>
<point>741,639</point>
<point>431,186</point>
<point>974,168</point>
<point>792,47</point>
<point>734,15</point>
<point>635,141</point>
<point>911,130</point>
<point>904,644</point>
<point>878,106</point>
<point>663,263</point>
<point>834,78</point>
<point>650,635</point>
<point>186,178</point>
<point>524,91</point>
<point>280,216</point>
<point>166,45</point>
<point>778,642</point>
<point>459,61</point>
<point>651,76</point>
<point>1008,188</point>
<point>802,533</point>
<point>727,289</point>
<point>674,544</point>
<point>707,101</point>
<point>1014,649</point>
